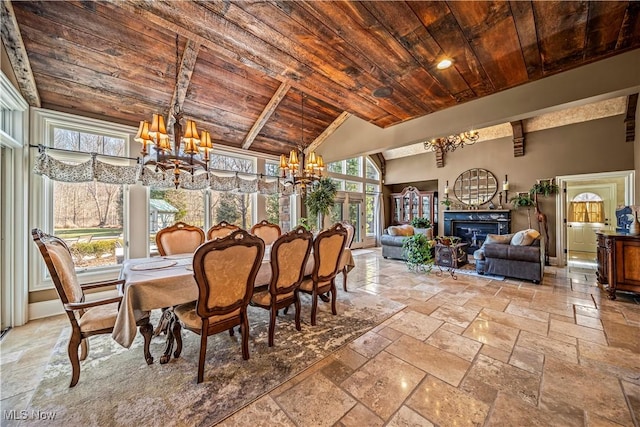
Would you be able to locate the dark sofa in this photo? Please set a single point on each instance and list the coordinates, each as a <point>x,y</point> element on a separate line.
<point>499,256</point>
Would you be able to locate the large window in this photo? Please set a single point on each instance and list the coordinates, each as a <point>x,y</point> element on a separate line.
<point>166,207</point>
<point>235,208</point>
<point>273,201</point>
<point>92,217</point>
<point>89,215</point>
<point>358,182</point>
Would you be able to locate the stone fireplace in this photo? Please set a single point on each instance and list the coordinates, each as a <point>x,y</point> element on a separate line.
<point>473,226</point>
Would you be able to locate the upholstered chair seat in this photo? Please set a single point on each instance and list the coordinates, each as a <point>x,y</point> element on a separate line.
<point>264,298</point>
<point>100,317</point>
<point>289,255</point>
<point>187,315</point>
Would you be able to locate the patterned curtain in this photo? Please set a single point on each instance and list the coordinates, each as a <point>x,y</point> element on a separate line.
<point>94,169</point>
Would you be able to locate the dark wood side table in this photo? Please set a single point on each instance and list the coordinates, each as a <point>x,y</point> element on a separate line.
<point>450,257</point>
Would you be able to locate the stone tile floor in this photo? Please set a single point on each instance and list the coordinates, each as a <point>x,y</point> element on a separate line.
<point>472,351</point>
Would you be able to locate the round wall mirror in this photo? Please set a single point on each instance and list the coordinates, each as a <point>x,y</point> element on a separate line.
<point>475,187</point>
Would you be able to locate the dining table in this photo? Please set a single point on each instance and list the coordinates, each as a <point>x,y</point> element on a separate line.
<point>162,282</point>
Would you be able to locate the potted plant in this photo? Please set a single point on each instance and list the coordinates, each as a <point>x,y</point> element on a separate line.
<point>544,188</point>
<point>321,198</point>
<point>447,203</point>
<point>417,251</point>
<point>420,225</point>
<point>523,200</point>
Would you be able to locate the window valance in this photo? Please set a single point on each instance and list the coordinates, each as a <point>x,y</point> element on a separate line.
<point>94,169</point>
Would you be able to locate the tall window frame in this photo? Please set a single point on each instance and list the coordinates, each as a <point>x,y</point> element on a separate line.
<point>43,125</point>
<point>360,175</point>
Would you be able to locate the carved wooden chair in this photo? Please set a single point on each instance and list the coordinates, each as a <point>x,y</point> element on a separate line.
<point>289,255</point>
<point>347,252</point>
<point>180,238</point>
<point>328,248</point>
<point>225,270</point>
<point>223,229</point>
<point>266,231</point>
<point>87,318</point>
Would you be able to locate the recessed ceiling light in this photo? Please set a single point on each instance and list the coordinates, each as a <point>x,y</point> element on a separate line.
<point>444,64</point>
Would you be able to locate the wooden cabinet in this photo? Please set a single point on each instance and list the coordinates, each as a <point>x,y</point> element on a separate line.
<point>413,203</point>
<point>619,262</point>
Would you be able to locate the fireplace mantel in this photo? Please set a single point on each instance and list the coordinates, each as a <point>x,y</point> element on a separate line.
<point>472,226</point>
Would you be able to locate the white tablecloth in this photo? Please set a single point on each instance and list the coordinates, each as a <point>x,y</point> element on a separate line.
<point>145,290</point>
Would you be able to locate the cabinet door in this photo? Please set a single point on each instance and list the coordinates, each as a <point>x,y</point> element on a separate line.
<point>426,208</point>
<point>406,208</point>
<point>397,210</point>
<point>415,206</point>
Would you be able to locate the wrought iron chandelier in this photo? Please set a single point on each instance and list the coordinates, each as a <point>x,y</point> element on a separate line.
<point>299,169</point>
<point>451,142</point>
<point>190,157</point>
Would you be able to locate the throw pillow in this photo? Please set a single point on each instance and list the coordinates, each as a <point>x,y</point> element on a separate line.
<point>504,239</point>
<point>406,230</point>
<point>525,237</point>
<point>393,231</point>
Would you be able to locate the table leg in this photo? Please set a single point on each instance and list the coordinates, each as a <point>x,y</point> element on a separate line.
<point>146,329</point>
<point>169,344</point>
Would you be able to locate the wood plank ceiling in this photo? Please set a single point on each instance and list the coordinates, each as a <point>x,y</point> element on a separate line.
<point>249,63</point>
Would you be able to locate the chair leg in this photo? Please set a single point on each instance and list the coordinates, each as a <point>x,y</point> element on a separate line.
<point>297,305</point>
<point>245,335</point>
<point>314,307</point>
<point>333,297</point>
<point>178,336</point>
<point>344,279</point>
<point>231,333</point>
<point>146,329</point>
<point>203,353</point>
<point>272,323</point>
<point>84,349</point>
<point>74,343</point>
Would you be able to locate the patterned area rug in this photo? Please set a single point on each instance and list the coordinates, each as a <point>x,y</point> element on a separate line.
<point>117,387</point>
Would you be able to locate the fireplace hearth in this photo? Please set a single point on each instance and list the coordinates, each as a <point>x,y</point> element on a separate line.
<point>472,227</point>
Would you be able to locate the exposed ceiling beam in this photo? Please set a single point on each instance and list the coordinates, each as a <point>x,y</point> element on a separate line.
<point>266,113</point>
<point>184,73</point>
<point>518,138</point>
<point>12,40</point>
<point>155,12</point>
<point>328,131</point>
<point>630,117</point>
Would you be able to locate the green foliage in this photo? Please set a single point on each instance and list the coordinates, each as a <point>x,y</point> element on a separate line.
<point>544,188</point>
<point>97,248</point>
<point>417,251</point>
<point>273,208</point>
<point>421,222</point>
<point>446,202</point>
<point>321,197</point>
<point>522,200</point>
<point>305,223</point>
<point>228,209</point>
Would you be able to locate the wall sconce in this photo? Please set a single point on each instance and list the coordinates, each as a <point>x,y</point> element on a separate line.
<point>446,189</point>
